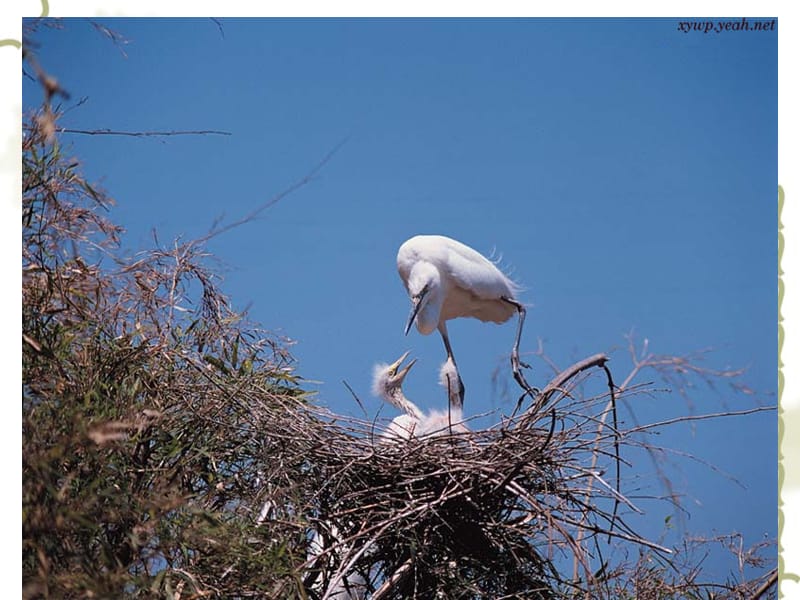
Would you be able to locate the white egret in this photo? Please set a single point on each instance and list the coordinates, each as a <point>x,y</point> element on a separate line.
<point>388,384</point>
<point>446,279</point>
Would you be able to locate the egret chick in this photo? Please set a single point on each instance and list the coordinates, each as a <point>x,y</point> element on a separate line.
<point>446,279</point>
<point>387,383</point>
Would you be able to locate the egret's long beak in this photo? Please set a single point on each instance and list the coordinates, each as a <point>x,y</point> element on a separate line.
<point>396,365</point>
<point>416,304</point>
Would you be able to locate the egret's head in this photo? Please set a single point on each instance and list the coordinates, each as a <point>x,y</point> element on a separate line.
<point>387,380</point>
<point>424,283</point>
<point>451,381</point>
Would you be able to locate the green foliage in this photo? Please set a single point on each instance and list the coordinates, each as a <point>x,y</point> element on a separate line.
<point>140,459</point>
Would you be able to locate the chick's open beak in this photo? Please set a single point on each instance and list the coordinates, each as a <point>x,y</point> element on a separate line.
<point>400,375</point>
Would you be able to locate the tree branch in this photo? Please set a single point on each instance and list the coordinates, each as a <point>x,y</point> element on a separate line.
<point>143,133</point>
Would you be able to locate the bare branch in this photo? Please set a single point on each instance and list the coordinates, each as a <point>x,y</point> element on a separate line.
<point>688,418</point>
<point>143,133</point>
<point>215,231</point>
<point>118,39</point>
<point>771,581</point>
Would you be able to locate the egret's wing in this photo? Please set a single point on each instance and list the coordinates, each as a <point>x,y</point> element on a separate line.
<point>472,271</point>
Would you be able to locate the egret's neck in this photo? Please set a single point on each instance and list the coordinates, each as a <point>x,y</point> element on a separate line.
<point>425,286</point>
<point>398,398</point>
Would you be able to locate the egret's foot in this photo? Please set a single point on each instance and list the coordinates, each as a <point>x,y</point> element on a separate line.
<point>516,363</point>
<point>528,389</point>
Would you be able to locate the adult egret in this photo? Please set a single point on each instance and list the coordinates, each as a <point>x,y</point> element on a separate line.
<point>387,383</point>
<point>446,279</point>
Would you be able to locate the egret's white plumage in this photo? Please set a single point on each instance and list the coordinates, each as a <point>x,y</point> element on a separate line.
<point>459,282</point>
<point>388,384</point>
<point>446,279</point>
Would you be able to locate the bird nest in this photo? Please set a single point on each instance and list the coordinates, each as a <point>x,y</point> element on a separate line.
<point>459,514</point>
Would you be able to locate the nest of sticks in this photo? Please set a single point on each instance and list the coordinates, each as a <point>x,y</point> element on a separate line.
<point>480,513</point>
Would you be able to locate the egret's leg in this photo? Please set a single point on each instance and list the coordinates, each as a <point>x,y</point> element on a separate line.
<point>515,362</point>
<point>446,340</point>
<point>454,384</point>
<point>449,350</point>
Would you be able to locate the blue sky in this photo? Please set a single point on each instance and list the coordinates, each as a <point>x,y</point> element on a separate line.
<point>625,172</point>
